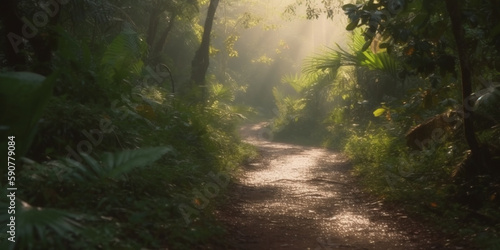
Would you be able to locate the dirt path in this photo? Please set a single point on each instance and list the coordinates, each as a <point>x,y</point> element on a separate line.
<point>298,197</point>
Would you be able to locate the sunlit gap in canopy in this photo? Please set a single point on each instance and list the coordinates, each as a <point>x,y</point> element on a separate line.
<point>278,46</point>
<point>297,38</point>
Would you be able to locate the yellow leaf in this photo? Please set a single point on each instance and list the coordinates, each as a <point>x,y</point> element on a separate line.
<point>379,112</point>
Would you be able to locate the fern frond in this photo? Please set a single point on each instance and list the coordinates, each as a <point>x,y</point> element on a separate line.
<point>328,60</point>
<point>123,55</point>
<point>34,224</point>
<point>122,162</point>
<point>221,93</point>
<point>112,165</point>
<point>381,61</point>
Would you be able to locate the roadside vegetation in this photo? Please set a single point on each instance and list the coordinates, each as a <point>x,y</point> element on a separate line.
<point>115,145</point>
<point>418,118</point>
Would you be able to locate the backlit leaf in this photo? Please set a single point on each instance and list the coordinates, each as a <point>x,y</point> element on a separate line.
<point>378,112</point>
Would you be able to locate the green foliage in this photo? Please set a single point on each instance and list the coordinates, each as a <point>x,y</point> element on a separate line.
<point>131,195</point>
<point>336,92</point>
<point>374,60</point>
<point>296,115</point>
<point>113,165</point>
<point>379,143</point>
<point>23,98</point>
<point>106,99</point>
<point>123,57</point>
<point>328,60</point>
<point>41,225</point>
<point>381,61</point>
<point>41,228</point>
<point>397,74</point>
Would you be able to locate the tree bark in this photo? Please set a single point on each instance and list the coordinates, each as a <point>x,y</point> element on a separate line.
<point>163,37</point>
<point>12,25</point>
<point>201,59</point>
<point>43,41</point>
<point>454,9</point>
<point>153,24</point>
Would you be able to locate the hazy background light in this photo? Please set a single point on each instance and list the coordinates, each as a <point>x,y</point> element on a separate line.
<point>279,45</point>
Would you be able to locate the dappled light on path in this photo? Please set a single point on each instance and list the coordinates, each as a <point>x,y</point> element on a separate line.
<point>299,197</point>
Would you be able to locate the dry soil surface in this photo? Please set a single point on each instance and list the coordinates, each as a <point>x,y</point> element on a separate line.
<point>297,197</point>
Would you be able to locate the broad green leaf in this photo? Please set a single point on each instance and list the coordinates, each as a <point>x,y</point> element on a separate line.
<point>122,56</point>
<point>23,98</point>
<point>112,165</point>
<point>352,25</point>
<point>349,7</point>
<point>94,165</point>
<point>37,222</point>
<point>125,161</point>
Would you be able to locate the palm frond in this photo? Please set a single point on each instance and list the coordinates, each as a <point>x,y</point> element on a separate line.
<point>358,41</point>
<point>219,92</point>
<point>112,165</point>
<point>328,60</point>
<point>381,61</point>
<point>299,82</point>
<point>332,59</point>
<point>34,224</point>
<point>123,55</point>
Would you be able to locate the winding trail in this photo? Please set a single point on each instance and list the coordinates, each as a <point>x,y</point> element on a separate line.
<point>298,197</point>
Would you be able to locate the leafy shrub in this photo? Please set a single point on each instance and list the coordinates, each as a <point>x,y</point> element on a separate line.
<point>164,150</point>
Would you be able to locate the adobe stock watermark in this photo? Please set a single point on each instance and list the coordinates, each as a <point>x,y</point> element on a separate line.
<point>201,198</point>
<point>95,136</point>
<point>40,19</point>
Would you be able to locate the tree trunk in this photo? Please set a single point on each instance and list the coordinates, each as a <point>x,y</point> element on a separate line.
<point>12,25</point>
<point>43,40</point>
<point>454,8</point>
<point>163,37</point>
<point>153,24</point>
<point>201,57</point>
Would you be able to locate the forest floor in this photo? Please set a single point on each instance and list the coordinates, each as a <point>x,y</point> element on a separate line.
<point>298,197</point>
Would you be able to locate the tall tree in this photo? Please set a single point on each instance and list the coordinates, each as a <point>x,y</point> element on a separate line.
<point>18,31</point>
<point>162,18</point>
<point>11,25</point>
<point>201,58</point>
<point>454,11</point>
<point>158,47</point>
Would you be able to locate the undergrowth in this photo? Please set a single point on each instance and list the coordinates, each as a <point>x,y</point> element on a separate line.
<point>135,207</point>
<point>402,136</point>
<point>120,163</point>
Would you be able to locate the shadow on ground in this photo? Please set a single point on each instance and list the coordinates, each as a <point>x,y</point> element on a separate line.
<point>297,197</point>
